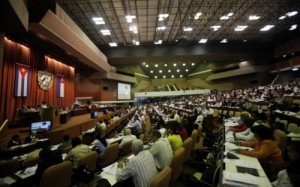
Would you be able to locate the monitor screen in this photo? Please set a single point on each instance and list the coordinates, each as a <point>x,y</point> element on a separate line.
<point>94,114</point>
<point>124,91</point>
<point>41,126</point>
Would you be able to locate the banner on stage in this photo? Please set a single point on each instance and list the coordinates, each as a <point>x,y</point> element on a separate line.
<point>22,80</point>
<point>60,86</point>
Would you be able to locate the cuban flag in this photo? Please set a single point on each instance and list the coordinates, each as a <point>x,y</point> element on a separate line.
<point>22,78</point>
<point>60,86</point>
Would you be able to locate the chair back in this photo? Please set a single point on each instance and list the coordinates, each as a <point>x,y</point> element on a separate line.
<point>177,162</point>
<point>57,175</point>
<point>110,155</point>
<point>163,178</point>
<point>126,149</point>
<point>89,159</point>
<point>8,167</point>
<point>187,144</point>
<point>280,139</point>
<point>194,136</point>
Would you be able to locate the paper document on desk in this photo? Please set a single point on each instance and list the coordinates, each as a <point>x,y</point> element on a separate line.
<point>247,164</point>
<point>241,178</point>
<point>230,146</point>
<point>26,172</point>
<point>111,169</point>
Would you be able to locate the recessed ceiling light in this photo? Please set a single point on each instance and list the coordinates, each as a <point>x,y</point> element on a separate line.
<point>155,77</point>
<point>169,71</point>
<point>105,32</point>
<point>161,17</point>
<point>183,64</point>
<point>295,69</point>
<point>164,76</point>
<point>186,70</point>
<point>240,28</point>
<point>156,65</point>
<point>197,15</point>
<point>245,40</point>
<point>133,29</point>
<point>174,65</point>
<point>267,27</point>
<point>144,63</point>
<point>203,41</point>
<point>178,70</point>
<point>166,65</point>
<point>187,29</point>
<point>172,76</point>
<point>224,41</point>
<point>113,44</point>
<point>216,27</point>
<point>129,18</point>
<point>226,16</point>
<point>293,27</point>
<point>151,71</point>
<point>98,20</point>
<point>292,13</point>
<point>193,64</point>
<point>161,28</point>
<point>254,17</point>
<point>158,42</point>
<point>282,17</point>
<point>180,75</point>
<point>147,65</point>
<point>160,71</point>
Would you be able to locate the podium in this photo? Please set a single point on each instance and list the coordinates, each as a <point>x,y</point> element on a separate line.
<point>51,113</point>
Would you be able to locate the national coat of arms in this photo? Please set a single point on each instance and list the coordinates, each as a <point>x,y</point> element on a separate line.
<point>45,79</point>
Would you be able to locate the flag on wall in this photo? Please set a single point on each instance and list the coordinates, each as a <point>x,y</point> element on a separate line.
<point>22,80</point>
<point>60,86</point>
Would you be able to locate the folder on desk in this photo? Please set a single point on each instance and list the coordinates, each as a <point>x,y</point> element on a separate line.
<point>251,171</point>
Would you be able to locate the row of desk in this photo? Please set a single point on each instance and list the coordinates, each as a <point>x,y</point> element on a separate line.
<point>229,175</point>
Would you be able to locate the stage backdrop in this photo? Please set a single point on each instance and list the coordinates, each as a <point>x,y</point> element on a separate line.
<point>36,60</point>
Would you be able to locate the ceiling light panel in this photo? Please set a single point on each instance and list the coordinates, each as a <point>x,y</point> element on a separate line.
<point>187,29</point>
<point>113,44</point>
<point>226,17</point>
<point>240,28</point>
<point>162,17</point>
<point>105,32</point>
<point>202,41</point>
<point>98,20</point>
<point>216,27</point>
<point>129,18</point>
<point>197,15</point>
<point>254,17</point>
<point>158,42</point>
<point>293,27</point>
<point>224,41</point>
<point>161,28</point>
<point>267,28</point>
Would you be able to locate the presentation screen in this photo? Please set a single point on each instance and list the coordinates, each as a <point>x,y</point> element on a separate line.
<point>41,126</point>
<point>124,91</point>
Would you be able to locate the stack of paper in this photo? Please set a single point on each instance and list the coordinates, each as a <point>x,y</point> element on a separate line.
<point>239,179</point>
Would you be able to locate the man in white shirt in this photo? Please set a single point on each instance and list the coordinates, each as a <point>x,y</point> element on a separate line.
<point>141,167</point>
<point>128,137</point>
<point>161,151</point>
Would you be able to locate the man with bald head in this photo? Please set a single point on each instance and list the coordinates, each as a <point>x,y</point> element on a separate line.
<point>141,167</point>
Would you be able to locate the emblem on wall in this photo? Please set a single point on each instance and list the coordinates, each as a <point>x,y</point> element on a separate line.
<point>45,79</point>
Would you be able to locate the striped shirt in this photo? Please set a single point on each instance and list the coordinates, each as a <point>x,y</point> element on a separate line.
<point>141,168</point>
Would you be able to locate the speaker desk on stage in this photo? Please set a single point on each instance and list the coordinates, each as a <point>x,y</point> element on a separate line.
<point>51,113</point>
